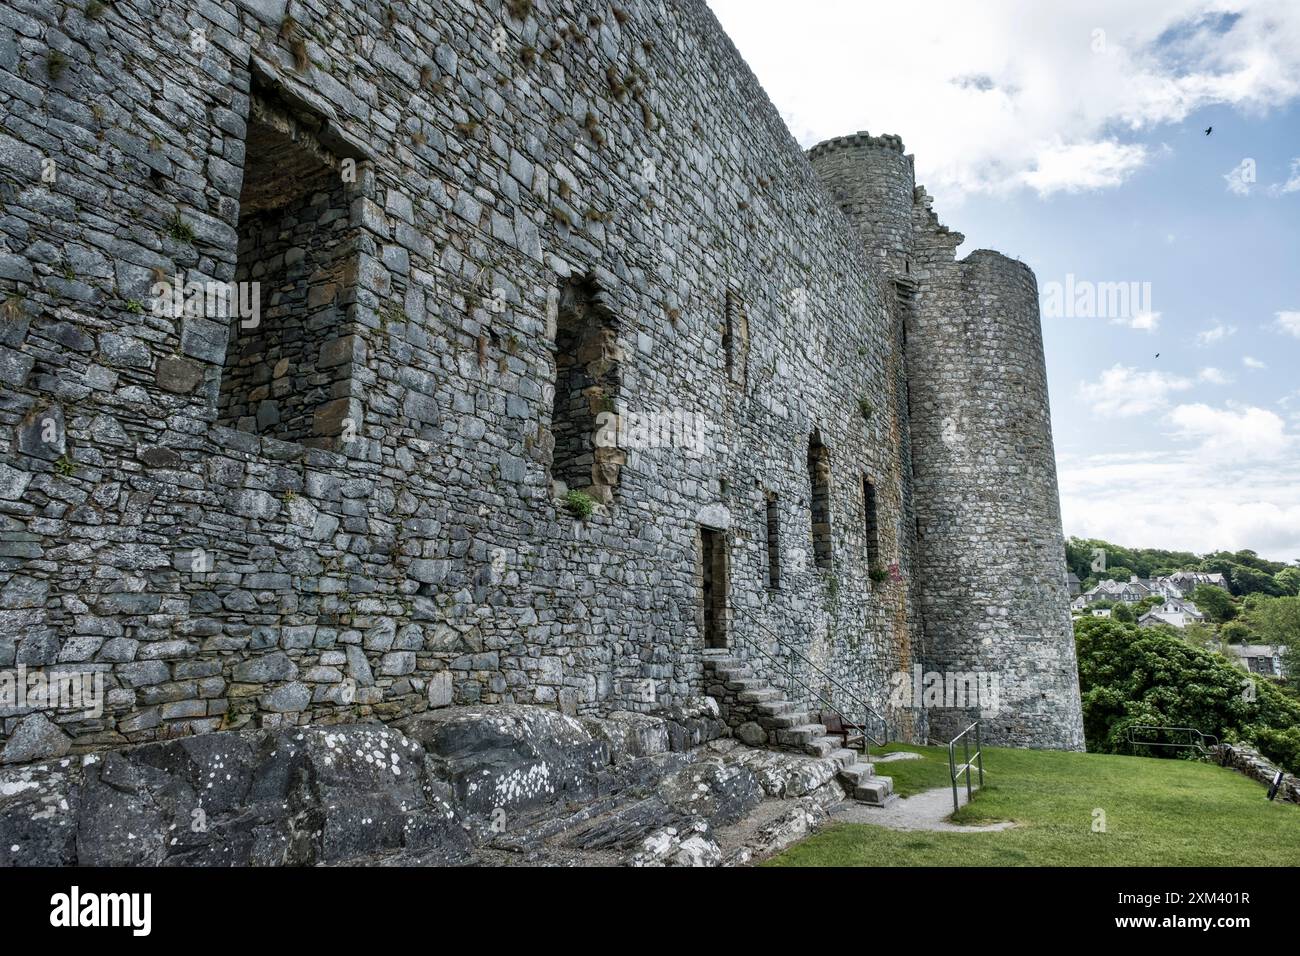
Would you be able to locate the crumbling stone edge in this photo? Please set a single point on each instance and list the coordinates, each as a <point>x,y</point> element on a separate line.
<point>1253,764</point>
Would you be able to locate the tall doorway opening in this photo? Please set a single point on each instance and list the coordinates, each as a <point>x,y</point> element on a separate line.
<point>714,586</point>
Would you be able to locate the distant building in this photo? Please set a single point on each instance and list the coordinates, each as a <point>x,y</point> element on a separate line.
<point>1173,611</point>
<point>1263,659</point>
<point>1178,585</point>
<point>1185,582</point>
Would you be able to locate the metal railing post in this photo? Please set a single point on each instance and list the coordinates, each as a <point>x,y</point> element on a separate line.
<point>952,772</point>
<point>979,752</point>
<point>965,745</point>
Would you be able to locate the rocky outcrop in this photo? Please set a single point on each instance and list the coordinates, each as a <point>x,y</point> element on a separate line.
<point>262,798</point>
<point>513,784</point>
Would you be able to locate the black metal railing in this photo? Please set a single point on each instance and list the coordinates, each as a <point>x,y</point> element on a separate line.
<point>968,760</point>
<point>859,719</point>
<point>1171,738</point>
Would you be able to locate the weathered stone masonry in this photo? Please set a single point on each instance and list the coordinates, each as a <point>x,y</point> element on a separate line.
<point>352,510</point>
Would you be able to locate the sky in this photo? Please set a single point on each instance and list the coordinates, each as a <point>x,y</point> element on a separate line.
<point>1074,139</point>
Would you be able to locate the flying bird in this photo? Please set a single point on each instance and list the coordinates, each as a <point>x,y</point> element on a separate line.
<point>1209,130</point>
<point>1157,355</point>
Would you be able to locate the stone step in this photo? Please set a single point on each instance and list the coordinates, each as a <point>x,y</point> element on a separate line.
<point>758,696</point>
<point>775,708</point>
<point>726,675</point>
<point>876,791</point>
<point>857,772</point>
<point>800,734</point>
<point>786,721</point>
<point>821,747</point>
<point>747,683</point>
<point>845,758</point>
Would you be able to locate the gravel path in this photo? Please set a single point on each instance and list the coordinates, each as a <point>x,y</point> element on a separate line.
<point>924,811</point>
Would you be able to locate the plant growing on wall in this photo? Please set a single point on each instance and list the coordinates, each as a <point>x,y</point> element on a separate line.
<point>865,408</point>
<point>579,504</point>
<point>878,573</point>
<point>179,229</point>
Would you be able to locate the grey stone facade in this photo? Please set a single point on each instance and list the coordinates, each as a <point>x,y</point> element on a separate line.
<point>357,508</point>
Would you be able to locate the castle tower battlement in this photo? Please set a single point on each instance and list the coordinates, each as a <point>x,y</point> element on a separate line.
<point>874,180</point>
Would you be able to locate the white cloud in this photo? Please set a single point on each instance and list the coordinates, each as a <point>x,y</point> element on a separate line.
<point>1003,95</point>
<point>1145,321</point>
<point>1292,185</point>
<point>1214,376</point>
<point>1217,333</point>
<point>1080,167</point>
<point>1124,392</point>
<point>1288,322</point>
<point>1252,362</point>
<point>1235,433</point>
<point>1241,178</point>
<point>1182,501</point>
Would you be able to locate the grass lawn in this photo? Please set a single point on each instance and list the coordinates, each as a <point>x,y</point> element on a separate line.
<point>1157,813</point>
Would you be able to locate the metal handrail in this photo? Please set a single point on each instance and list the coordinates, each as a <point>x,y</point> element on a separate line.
<point>967,763</point>
<point>1198,744</point>
<point>793,655</point>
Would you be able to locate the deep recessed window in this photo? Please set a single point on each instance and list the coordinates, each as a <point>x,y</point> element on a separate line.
<point>586,401</point>
<point>819,480</point>
<point>288,374</point>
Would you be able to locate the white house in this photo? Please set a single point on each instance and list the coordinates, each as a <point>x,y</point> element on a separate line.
<point>1174,611</point>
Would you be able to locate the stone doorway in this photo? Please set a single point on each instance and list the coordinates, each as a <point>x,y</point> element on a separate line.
<point>714,587</point>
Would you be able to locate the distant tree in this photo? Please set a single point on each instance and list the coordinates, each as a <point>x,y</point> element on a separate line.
<point>1147,603</point>
<point>1215,602</point>
<point>1248,580</point>
<point>1124,614</point>
<point>1288,581</point>
<point>1200,635</point>
<point>1236,632</point>
<point>1130,676</point>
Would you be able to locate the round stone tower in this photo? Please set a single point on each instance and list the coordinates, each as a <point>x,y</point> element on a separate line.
<point>873,180</point>
<point>989,566</point>
<point>991,554</point>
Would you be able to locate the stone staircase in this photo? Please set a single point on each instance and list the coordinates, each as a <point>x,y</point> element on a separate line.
<point>759,715</point>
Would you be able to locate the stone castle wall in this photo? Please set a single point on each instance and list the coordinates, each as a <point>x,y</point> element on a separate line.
<point>411,550</point>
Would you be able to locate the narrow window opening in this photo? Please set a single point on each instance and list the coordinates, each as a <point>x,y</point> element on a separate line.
<point>735,338</point>
<point>872,525</point>
<point>773,526</point>
<point>819,479</point>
